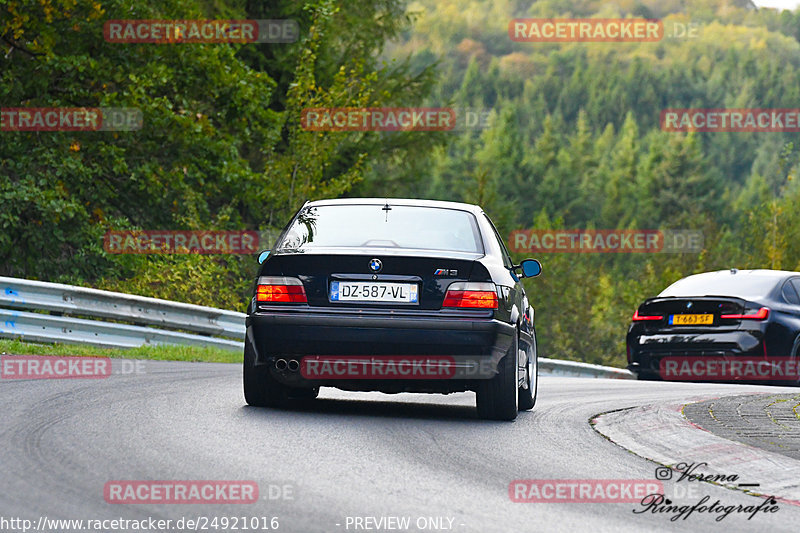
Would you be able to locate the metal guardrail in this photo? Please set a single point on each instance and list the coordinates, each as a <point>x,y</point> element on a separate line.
<point>204,323</point>
<point>20,296</point>
<point>37,327</point>
<point>557,367</point>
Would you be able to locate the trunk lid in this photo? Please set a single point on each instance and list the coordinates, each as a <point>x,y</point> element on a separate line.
<point>686,314</point>
<point>391,272</point>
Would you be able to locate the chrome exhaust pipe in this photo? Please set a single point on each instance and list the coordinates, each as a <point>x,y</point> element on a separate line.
<point>280,364</point>
<point>294,365</point>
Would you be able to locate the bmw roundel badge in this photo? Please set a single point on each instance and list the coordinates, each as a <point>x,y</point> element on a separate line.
<point>375,265</point>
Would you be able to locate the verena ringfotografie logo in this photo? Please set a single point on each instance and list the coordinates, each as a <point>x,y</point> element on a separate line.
<point>378,119</point>
<point>180,492</point>
<point>731,120</point>
<point>369,367</point>
<point>713,368</point>
<point>70,119</point>
<point>693,475</point>
<point>54,367</point>
<point>181,242</point>
<point>605,241</point>
<point>582,490</point>
<point>201,31</point>
<point>551,30</point>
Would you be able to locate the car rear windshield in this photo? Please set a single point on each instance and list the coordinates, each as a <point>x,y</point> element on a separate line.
<point>744,286</point>
<point>356,226</point>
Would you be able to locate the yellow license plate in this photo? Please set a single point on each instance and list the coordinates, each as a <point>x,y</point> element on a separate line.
<point>691,320</point>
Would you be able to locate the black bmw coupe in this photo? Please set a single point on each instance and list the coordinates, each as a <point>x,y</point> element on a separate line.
<point>393,296</point>
<point>730,325</point>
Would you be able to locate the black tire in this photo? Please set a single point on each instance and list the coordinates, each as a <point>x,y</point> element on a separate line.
<point>260,388</point>
<point>795,357</point>
<point>527,396</point>
<point>303,394</point>
<point>497,398</point>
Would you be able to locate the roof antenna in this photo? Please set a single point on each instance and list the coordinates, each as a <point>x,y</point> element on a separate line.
<point>386,208</point>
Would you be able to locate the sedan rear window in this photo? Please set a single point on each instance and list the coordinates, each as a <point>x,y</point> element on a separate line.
<point>745,286</point>
<point>789,292</point>
<point>357,226</point>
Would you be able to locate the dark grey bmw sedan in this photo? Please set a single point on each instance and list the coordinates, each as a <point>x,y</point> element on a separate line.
<point>392,295</point>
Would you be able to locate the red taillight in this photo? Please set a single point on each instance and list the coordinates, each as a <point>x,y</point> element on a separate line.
<point>761,314</point>
<point>280,290</point>
<point>637,317</point>
<point>474,295</point>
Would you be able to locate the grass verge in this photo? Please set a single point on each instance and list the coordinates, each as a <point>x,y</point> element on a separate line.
<point>161,353</point>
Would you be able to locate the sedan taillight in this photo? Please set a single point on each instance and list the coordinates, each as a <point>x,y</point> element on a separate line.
<point>472,295</point>
<point>761,314</point>
<point>280,290</point>
<point>638,318</point>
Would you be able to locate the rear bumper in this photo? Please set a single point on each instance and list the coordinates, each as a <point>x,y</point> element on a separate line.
<point>473,345</point>
<point>647,353</point>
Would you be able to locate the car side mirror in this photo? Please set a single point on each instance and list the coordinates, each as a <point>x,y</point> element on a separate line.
<point>530,268</point>
<point>263,256</point>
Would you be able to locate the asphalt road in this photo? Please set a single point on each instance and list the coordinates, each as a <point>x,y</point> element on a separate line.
<point>345,455</point>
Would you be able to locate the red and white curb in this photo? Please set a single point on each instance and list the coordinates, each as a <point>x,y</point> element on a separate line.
<point>662,434</point>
